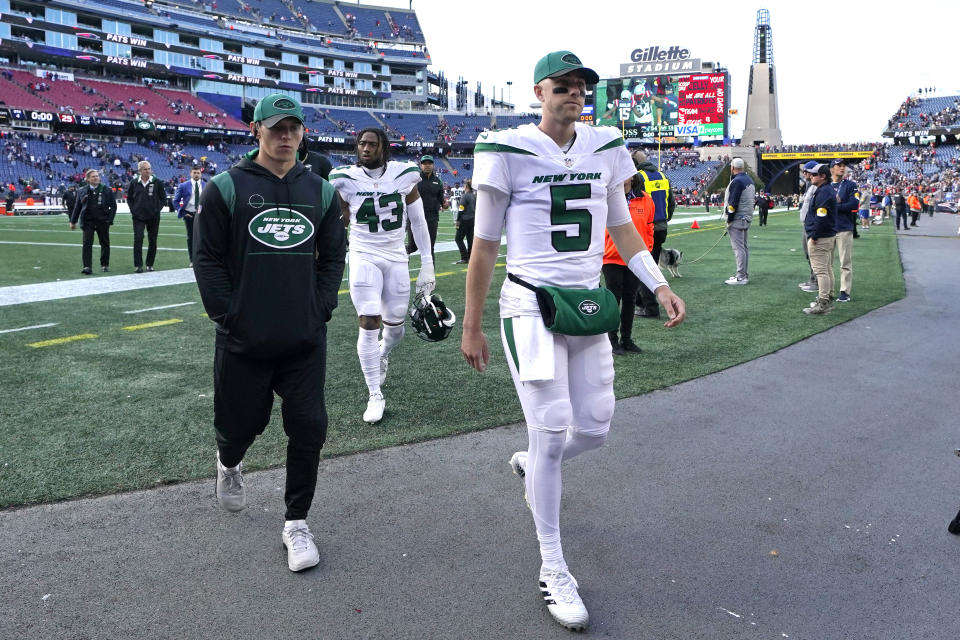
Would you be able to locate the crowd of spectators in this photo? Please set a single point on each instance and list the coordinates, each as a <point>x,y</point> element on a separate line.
<point>944,117</point>
<point>116,163</point>
<point>796,148</point>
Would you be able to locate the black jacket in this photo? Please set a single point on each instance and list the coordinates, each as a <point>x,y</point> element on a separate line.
<point>70,200</point>
<point>820,220</point>
<point>468,206</point>
<point>899,202</point>
<point>431,192</point>
<point>268,254</point>
<point>316,162</point>
<point>146,203</point>
<point>848,202</point>
<point>94,205</point>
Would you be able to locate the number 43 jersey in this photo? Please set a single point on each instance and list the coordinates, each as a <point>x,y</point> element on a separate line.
<point>378,206</point>
<point>557,214</point>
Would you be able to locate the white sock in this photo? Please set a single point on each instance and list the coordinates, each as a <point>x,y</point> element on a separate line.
<point>544,487</point>
<point>369,352</point>
<point>392,335</point>
<point>578,442</point>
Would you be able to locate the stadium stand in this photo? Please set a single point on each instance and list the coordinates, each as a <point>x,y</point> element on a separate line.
<point>350,120</point>
<point>916,112</point>
<point>14,93</point>
<point>506,122</point>
<point>211,114</point>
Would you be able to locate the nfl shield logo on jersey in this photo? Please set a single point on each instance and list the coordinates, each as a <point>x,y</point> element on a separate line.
<point>568,162</point>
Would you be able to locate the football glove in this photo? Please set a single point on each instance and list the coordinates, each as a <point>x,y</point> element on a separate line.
<point>426,281</point>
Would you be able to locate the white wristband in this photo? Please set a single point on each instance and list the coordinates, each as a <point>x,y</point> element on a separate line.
<point>643,266</point>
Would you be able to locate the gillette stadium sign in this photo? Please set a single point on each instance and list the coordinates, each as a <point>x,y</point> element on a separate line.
<point>653,61</point>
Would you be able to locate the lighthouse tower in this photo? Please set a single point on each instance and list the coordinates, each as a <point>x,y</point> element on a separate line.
<point>763,119</point>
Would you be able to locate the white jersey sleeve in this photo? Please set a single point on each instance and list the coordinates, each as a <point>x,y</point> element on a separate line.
<point>490,163</point>
<point>377,206</point>
<point>557,211</point>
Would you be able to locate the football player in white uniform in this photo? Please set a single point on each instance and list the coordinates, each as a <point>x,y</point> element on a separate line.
<point>556,186</point>
<point>376,195</point>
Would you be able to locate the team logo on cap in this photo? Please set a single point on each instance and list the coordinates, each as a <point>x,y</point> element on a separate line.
<point>281,228</point>
<point>569,58</point>
<point>284,103</point>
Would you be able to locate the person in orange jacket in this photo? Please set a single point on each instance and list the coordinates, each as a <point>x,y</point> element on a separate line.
<point>913,203</point>
<point>928,204</point>
<point>617,277</point>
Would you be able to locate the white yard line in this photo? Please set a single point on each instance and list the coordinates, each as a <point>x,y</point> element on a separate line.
<point>36,326</point>
<point>65,244</point>
<point>90,286</point>
<point>166,306</point>
<point>42,292</point>
<point>113,232</point>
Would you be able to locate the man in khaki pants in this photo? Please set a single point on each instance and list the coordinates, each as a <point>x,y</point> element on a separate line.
<point>848,200</point>
<point>819,224</point>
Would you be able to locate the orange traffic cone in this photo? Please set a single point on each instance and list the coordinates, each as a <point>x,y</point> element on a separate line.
<point>694,225</point>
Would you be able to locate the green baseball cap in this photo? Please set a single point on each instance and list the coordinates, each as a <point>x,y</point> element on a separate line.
<point>560,63</point>
<point>275,107</point>
<point>426,159</point>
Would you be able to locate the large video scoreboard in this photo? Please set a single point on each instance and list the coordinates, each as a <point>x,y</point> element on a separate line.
<point>667,106</point>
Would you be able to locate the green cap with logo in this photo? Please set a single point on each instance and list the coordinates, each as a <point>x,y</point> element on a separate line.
<point>426,159</point>
<point>560,63</point>
<point>275,107</point>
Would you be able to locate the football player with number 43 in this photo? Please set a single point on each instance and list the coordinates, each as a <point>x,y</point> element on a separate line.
<point>376,195</point>
<point>555,186</point>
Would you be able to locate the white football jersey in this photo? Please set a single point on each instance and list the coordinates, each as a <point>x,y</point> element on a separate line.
<point>557,214</point>
<point>377,206</point>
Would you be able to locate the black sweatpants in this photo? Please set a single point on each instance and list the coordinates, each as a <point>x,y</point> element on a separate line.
<point>465,232</point>
<point>152,227</point>
<point>646,299</point>
<point>102,229</point>
<point>902,215</point>
<point>243,398</point>
<point>763,217</point>
<point>621,281</point>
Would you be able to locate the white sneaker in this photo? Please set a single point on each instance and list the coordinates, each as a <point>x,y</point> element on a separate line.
<point>736,280</point>
<point>375,406</point>
<point>230,491</point>
<point>559,590</point>
<point>301,551</point>
<point>518,462</point>
<point>384,365</point>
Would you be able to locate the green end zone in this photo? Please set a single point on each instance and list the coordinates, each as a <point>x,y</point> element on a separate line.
<point>103,408</point>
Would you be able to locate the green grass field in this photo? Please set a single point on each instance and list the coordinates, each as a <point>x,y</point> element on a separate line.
<point>130,405</point>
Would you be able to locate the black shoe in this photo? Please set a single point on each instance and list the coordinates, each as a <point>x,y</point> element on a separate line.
<point>86,271</point>
<point>643,313</point>
<point>138,270</point>
<point>149,268</point>
<point>460,261</point>
<point>630,346</point>
<point>615,344</point>
<point>104,269</point>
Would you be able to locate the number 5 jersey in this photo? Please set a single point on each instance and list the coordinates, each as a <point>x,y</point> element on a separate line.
<point>557,214</point>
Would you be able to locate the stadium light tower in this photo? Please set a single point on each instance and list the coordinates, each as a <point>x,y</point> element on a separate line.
<point>763,118</point>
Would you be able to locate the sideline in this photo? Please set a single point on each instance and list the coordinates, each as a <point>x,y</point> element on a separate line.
<point>95,285</point>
